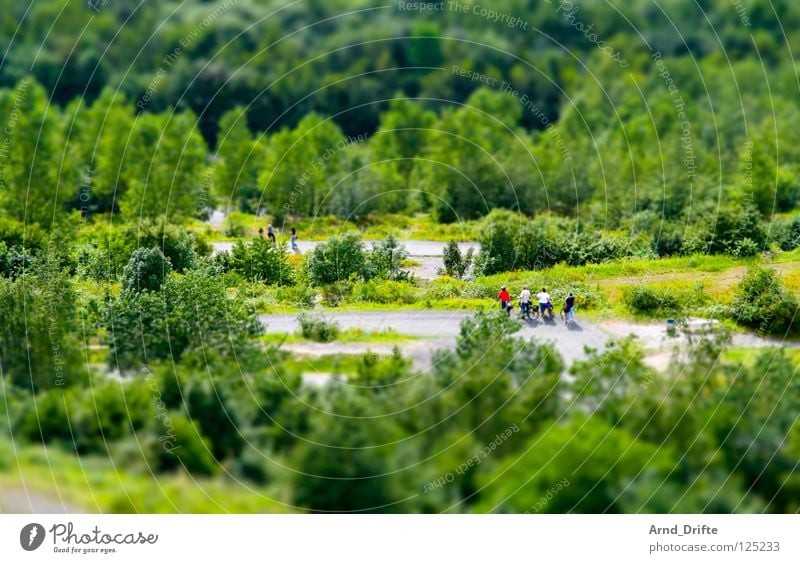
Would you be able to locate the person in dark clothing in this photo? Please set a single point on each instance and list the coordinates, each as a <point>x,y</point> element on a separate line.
<point>568,312</point>
<point>271,233</point>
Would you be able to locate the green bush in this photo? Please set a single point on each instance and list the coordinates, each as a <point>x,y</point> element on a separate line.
<point>385,259</point>
<point>663,300</point>
<point>262,260</point>
<point>317,328</point>
<point>456,264</point>
<point>173,241</point>
<point>145,271</point>
<point>39,345</point>
<point>179,444</point>
<point>235,225</point>
<point>191,312</point>
<point>13,260</point>
<point>333,294</point>
<point>385,291</point>
<point>336,260</point>
<point>644,299</point>
<point>761,302</point>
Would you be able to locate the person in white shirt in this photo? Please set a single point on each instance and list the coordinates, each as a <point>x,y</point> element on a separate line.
<point>544,302</point>
<point>525,301</point>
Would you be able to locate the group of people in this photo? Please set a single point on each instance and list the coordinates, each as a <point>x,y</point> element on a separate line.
<point>271,236</point>
<point>543,298</point>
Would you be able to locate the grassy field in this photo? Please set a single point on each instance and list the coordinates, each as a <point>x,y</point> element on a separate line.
<point>94,484</point>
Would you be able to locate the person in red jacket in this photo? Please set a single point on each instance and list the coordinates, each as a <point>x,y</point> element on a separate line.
<point>505,300</point>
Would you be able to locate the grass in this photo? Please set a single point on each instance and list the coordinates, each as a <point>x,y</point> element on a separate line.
<point>93,484</point>
<point>350,335</point>
<point>746,357</point>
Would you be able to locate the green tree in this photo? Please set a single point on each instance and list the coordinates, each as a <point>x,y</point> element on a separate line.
<point>402,137</point>
<point>166,168</point>
<point>336,260</point>
<point>32,137</point>
<point>192,313</point>
<point>145,271</point>
<point>300,164</point>
<point>262,260</point>
<point>235,172</point>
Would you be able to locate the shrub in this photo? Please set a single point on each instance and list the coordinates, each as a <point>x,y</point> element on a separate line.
<point>174,242</point>
<point>456,264</point>
<point>761,302</point>
<point>235,225</point>
<point>39,347</point>
<point>385,259</point>
<point>180,445</point>
<point>385,291</point>
<point>145,271</point>
<point>191,312</point>
<point>652,300</point>
<point>335,293</point>
<point>317,328</point>
<point>13,261</point>
<point>336,260</point>
<point>262,260</point>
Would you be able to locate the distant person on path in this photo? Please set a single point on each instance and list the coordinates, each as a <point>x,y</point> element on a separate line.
<point>295,248</point>
<point>525,301</point>
<point>544,302</point>
<point>505,300</point>
<point>568,312</point>
<point>271,233</point>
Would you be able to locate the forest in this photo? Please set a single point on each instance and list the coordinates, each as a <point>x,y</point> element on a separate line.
<point>643,155</point>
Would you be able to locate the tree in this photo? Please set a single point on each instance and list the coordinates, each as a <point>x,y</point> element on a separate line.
<point>191,313</point>
<point>336,260</point>
<point>402,136</point>
<point>386,258</point>
<point>299,164</point>
<point>262,260</point>
<point>235,171</point>
<point>99,140</point>
<point>32,137</point>
<point>166,168</point>
<point>145,271</point>
<point>38,344</point>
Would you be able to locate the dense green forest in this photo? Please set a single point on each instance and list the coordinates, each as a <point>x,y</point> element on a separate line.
<point>580,143</point>
<point>349,118</point>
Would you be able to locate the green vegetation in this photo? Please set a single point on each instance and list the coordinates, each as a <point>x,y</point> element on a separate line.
<point>317,328</point>
<point>660,183</point>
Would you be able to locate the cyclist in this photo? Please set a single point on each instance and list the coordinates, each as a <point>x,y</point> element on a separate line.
<point>568,312</point>
<point>525,302</point>
<point>505,300</point>
<point>544,303</point>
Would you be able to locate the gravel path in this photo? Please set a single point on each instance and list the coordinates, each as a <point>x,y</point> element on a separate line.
<point>440,328</point>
